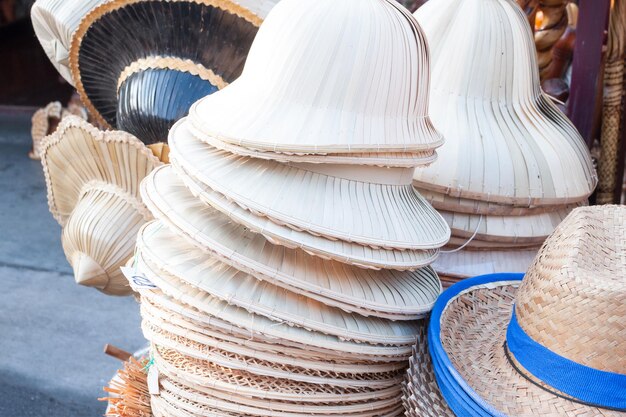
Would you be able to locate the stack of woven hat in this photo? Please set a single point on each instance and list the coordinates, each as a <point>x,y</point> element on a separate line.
<point>290,249</point>
<point>513,166</point>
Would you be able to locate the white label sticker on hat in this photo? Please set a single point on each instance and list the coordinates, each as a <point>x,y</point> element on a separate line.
<point>137,280</point>
<point>153,380</point>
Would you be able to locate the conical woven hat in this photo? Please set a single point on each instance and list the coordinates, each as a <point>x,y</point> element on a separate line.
<point>366,205</point>
<point>176,205</point>
<point>54,22</point>
<point>360,85</point>
<point>571,305</point>
<point>388,294</point>
<point>209,277</point>
<point>470,263</point>
<point>93,182</point>
<point>212,306</point>
<point>505,141</point>
<point>140,64</point>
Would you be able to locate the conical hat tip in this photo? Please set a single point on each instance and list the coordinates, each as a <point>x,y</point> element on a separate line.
<point>88,272</point>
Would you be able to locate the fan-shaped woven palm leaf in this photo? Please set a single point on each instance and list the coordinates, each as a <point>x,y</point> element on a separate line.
<point>140,64</point>
<point>93,191</point>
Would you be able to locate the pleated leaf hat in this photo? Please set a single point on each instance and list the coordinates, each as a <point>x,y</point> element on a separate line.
<point>553,344</point>
<point>140,64</point>
<point>304,91</point>
<point>54,22</point>
<point>506,142</point>
<point>93,182</point>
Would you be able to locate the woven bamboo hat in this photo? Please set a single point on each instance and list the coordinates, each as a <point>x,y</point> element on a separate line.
<point>374,206</point>
<point>54,22</point>
<point>505,140</point>
<point>554,347</point>
<point>93,192</point>
<point>358,86</point>
<point>140,64</point>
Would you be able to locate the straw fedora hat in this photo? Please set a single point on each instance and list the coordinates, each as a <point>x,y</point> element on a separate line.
<point>305,91</point>
<point>553,344</point>
<point>175,202</point>
<point>140,64</point>
<point>374,206</point>
<point>93,192</point>
<point>54,22</point>
<point>506,142</point>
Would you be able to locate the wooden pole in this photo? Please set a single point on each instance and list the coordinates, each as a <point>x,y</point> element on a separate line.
<point>586,71</point>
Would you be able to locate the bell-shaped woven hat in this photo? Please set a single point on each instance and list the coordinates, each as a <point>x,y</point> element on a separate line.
<point>93,180</point>
<point>505,140</point>
<point>358,86</point>
<point>140,64</point>
<point>54,22</point>
<point>552,345</point>
<point>374,206</point>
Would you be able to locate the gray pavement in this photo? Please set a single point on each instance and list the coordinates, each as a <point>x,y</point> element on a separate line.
<point>52,331</point>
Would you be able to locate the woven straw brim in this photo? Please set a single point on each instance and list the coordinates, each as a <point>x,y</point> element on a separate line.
<point>54,22</point>
<point>106,45</point>
<point>213,307</point>
<point>180,206</point>
<point>468,263</point>
<point>420,393</point>
<point>473,332</point>
<point>259,297</point>
<point>506,142</point>
<point>317,198</point>
<point>444,202</point>
<point>202,399</point>
<point>286,357</point>
<point>387,159</point>
<point>476,244</point>
<point>78,153</point>
<point>361,86</point>
<point>525,230</point>
<point>204,373</point>
<point>154,332</point>
<point>388,294</point>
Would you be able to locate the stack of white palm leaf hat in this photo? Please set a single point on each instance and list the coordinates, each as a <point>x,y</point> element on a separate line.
<point>513,166</point>
<point>290,251</point>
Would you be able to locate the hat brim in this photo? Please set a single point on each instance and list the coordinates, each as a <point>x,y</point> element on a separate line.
<point>213,34</point>
<point>175,203</point>
<point>339,204</point>
<point>468,263</point>
<point>467,336</point>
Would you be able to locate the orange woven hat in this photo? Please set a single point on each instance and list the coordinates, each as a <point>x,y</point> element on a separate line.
<point>551,345</point>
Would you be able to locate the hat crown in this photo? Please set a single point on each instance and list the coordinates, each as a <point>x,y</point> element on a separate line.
<point>487,47</point>
<point>573,298</point>
<point>362,56</point>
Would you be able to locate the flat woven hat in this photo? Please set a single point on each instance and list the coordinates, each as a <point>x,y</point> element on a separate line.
<point>93,182</point>
<point>306,91</point>
<point>54,22</point>
<point>373,206</point>
<point>552,345</point>
<point>140,64</point>
<point>505,140</point>
<point>172,202</point>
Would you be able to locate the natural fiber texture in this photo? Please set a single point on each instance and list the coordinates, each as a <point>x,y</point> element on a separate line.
<point>140,64</point>
<point>572,302</point>
<point>388,294</point>
<point>470,263</point>
<point>175,205</point>
<point>305,91</point>
<point>46,120</point>
<point>505,140</point>
<point>54,22</point>
<point>551,26</point>
<point>129,396</point>
<point>93,191</point>
<point>365,205</point>
<point>612,106</point>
